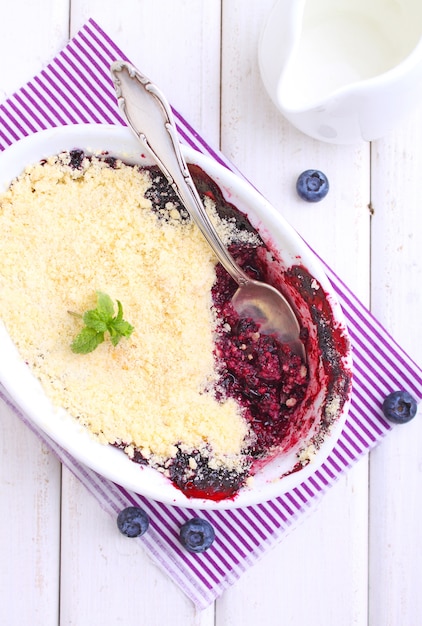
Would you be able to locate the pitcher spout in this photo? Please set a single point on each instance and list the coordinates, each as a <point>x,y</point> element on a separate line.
<point>338,70</point>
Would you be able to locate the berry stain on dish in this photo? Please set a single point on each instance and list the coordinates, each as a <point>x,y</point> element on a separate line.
<point>312,185</point>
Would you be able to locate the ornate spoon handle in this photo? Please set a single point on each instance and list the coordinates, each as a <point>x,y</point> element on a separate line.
<point>149,115</point>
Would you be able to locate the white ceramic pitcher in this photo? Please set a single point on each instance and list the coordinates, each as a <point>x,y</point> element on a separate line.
<point>343,70</point>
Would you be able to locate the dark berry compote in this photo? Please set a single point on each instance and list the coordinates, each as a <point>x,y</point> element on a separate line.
<point>263,375</point>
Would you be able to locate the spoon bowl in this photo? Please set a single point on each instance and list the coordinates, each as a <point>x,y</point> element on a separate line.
<point>268,308</point>
<point>149,115</point>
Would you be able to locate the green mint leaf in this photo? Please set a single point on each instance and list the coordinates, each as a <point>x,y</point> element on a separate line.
<point>105,306</point>
<point>114,338</point>
<point>94,319</point>
<point>123,328</point>
<point>119,315</point>
<point>87,340</point>
<point>97,322</point>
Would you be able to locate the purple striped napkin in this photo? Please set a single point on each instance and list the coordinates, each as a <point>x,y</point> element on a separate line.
<point>76,88</point>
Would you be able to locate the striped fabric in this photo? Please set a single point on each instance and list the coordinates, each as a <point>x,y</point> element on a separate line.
<point>76,88</point>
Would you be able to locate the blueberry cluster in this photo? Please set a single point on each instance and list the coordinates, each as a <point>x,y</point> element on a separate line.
<point>196,534</point>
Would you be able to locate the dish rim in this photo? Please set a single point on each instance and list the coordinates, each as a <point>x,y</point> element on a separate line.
<point>106,460</point>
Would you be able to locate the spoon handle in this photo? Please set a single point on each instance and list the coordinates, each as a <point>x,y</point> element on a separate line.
<point>149,115</point>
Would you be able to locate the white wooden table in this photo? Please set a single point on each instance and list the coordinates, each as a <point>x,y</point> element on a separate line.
<point>358,558</point>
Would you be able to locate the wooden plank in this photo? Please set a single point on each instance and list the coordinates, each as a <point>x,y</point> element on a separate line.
<point>29,473</point>
<point>396,466</point>
<point>29,526</point>
<point>30,34</point>
<point>319,572</point>
<point>176,44</point>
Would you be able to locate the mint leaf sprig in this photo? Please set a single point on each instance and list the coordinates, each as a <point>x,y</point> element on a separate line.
<point>99,321</point>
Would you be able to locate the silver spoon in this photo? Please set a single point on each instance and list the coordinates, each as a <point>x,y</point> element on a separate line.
<point>149,115</point>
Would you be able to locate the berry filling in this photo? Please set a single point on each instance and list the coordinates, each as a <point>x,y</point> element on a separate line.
<point>259,372</point>
<point>268,382</point>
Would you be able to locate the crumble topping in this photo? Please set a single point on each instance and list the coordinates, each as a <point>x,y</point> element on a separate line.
<point>68,231</point>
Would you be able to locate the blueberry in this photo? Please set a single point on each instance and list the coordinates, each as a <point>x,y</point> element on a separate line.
<point>133,521</point>
<point>399,407</point>
<point>76,158</point>
<point>312,185</point>
<point>197,535</point>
